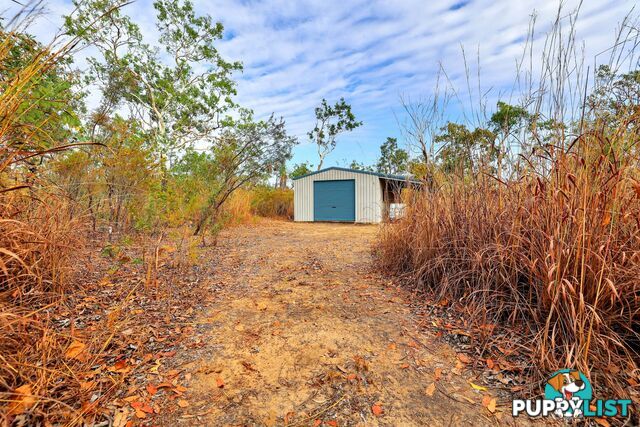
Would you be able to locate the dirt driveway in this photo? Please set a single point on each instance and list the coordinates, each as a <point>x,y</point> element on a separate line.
<point>303,333</point>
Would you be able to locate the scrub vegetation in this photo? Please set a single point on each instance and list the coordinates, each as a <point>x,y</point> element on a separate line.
<point>164,155</point>
<point>147,275</point>
<point>530,221</point>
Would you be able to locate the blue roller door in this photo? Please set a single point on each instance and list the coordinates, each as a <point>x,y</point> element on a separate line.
<point>334,200</point>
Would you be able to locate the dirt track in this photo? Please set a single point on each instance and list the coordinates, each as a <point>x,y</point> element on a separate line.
<point>304,333</point>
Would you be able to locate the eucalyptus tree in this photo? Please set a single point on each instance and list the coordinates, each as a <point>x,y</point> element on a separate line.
<point>393,160</point>
<point>330,122</point>
<point>178,90</point>
<point>246,151</point>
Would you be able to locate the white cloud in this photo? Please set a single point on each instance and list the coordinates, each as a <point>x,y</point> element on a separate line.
<point>297,52</point>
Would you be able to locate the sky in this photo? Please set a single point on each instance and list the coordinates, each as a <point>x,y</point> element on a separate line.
<point>296,52</point>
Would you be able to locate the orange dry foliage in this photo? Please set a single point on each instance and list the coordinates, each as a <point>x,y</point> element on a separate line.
<point>555,257</point>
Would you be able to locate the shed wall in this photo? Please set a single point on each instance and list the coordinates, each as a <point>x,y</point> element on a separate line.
<point>369,203</point>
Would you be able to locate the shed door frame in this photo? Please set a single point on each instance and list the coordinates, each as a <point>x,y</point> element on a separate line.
<point>326,215</point>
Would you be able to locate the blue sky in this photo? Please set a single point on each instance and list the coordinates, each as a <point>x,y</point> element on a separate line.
<point>371,52</point>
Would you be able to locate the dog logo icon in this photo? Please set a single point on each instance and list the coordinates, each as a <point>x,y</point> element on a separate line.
<point>571,387</point>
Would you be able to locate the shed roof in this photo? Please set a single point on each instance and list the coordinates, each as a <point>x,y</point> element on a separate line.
<point>378,174</point>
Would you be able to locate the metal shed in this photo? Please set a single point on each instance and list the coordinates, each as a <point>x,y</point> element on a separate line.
<point>346,195</point>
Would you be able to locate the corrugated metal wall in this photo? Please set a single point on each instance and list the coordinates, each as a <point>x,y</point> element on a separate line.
<point>369,202</point>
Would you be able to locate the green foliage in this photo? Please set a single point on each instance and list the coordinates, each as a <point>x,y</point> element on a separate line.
<point>465,150</point>
<point>180,100</point>
<point>393,160</point>
<point>359,166</point>
<point>330,122</point>
<point>114,180</point>
<point>418,168</point>
<point>300,169</point>
<point>508,118</point>
<point>49,113</point>
<point>616,97</point>
<point>246,152</point>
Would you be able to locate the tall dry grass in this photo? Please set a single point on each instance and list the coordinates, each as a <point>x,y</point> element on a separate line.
<point>38,240</point>
<point>550,254</point>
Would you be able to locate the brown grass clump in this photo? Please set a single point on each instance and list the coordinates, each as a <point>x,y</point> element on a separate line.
<point>38,373</point>
<point>555,256</point>
<point>550,251</point>
<point>273,202</point>
<point>246,204</point>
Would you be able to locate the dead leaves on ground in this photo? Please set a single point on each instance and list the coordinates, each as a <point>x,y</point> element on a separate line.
<point>23,400</point>
<point>430,389</point>
<point>75,350</point>
<point>377,409</point>
<point>490,403</point>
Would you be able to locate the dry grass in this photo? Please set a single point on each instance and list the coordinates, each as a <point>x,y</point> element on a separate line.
<point>558,259</point>
<point>37,239</point>
<point>245,205</point>
<point>552,252</point>
<point>273,202</point>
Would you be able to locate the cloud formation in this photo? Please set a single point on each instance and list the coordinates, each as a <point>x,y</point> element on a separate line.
<point>370,52</point>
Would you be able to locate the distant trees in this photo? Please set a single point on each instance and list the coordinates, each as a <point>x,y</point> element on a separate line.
<point>616,96</point>
<point>359,166</point>
<point>330,122</point>
<point>393,160</point>
<point>463,149</point>
<point>300,169</point>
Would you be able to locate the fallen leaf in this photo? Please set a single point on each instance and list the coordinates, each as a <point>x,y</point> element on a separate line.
<point>141,406</point>
<point>490,363</point>
<point>248,366</point>
<point>219,382</point>
<point>121,367</point>
<point>151,389</point>
<point>486,399</point>
<point>602,422</point>
<point>289,416</point>
<point>165,385</point>
<point>431,389</point>
<point>351,377</point>
<point>392,346</point>
<point>404,366</point>
<point>437,374</point>
<point>361,364</point>
<point>87,385</point>
<point>173,373</point>
<point>477,387</point>
<point>23,401</point>
<point>458,369</point>
<point>120,417</point>
<point>332,423</point>
<point>183,403</point>
<point>463,358</point>
<point>155,367</point>
<point>377,410</point>
<point>492,405</point>
<point>316,423</point>
<point>75,349</point>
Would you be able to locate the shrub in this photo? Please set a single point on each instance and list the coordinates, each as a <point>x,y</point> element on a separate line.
<point>273,202</point>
